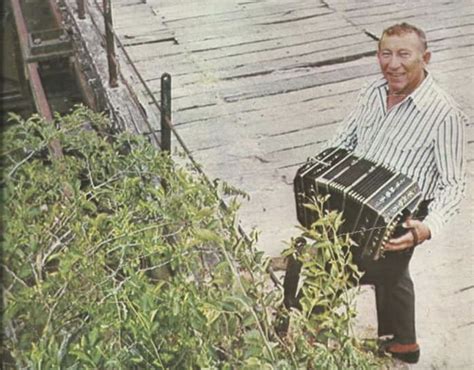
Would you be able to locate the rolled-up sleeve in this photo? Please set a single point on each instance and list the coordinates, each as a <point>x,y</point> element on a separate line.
<point>449,156</point>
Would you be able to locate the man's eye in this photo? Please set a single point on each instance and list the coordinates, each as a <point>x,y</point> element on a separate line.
<point>404,55</point>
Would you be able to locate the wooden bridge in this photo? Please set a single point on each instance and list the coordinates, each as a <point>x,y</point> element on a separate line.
<point>260,85</point>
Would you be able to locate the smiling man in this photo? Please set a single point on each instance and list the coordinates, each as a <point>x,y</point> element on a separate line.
<point>405,121</point>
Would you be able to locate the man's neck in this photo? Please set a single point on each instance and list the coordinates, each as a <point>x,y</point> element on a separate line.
<point>394,99</point>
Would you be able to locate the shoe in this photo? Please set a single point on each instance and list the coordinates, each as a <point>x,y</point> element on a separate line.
<point>409,353</point>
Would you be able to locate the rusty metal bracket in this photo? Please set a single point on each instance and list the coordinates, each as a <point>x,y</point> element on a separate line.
<point>48,44</point>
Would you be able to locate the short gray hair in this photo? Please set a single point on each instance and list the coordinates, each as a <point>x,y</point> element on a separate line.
<point>403,28</point>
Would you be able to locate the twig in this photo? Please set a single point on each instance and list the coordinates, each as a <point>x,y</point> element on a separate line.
<point>57,299</point>
<point>57,243</point>
<point>90,173</point>
<point>252,311</point>
<point>98,246</point>
<point>14,275</point>
<point>20,163</point>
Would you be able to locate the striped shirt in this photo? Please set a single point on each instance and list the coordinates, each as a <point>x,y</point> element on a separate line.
<point>421,137</point>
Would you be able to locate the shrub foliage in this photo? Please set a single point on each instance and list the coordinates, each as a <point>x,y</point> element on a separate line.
<point>117,257</point>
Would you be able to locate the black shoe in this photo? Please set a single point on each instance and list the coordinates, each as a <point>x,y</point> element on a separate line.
<point>409,353</point>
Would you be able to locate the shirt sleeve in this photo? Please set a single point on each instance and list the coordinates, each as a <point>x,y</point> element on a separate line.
<point>346,135</point>
<point>450,162</point>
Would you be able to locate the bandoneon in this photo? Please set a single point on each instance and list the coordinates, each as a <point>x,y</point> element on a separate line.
<point>373,199</point>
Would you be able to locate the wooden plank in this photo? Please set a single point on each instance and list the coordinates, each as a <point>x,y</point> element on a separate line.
<point>430,18</point>
<point>439,56</point>
<point>235,28</point>
<point>287,50</point>
<point>131,14</point>
<point>234,13</point>
<point>255,64</point>
<point>381,9</point>
<point>258,106</point>
<point>290,98</point>
<point>127,3</point>
<point>311,80</point>
<point>202,41</point>
<point>270,119</point>
<point>263,45</point>
<point>287,86</point>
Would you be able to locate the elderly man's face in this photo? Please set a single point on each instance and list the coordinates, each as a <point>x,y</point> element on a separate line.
<point>402,60</point>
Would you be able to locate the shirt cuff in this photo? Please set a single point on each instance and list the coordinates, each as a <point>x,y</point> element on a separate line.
<point>435,222</point>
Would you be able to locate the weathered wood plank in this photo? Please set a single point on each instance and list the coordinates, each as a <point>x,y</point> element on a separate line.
<point>238,14</point>
<point>375,9</point>
<point>231,28</point>
<point>430,18</point>
<point>305,75</point>
<point>330,23</point>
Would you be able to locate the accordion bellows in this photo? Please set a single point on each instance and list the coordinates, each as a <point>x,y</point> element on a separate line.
<point>373,199</point>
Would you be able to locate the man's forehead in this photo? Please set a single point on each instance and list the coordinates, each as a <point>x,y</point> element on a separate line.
<point>405,39</point>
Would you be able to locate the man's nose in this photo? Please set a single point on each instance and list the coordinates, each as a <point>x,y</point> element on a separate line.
<point>394,62</point>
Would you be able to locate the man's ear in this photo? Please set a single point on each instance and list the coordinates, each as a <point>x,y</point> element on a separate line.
<point>426,56</point>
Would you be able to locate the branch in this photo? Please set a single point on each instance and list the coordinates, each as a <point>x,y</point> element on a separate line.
<point>14,275</point>
<point>18,165</point>
<point>98,246</point>
<point>241,286</point>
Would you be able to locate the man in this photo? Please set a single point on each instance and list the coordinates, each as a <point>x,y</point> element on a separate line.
<point>406,122</point>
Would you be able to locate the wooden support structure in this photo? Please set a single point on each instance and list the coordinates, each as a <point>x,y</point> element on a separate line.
<point>33,76</point>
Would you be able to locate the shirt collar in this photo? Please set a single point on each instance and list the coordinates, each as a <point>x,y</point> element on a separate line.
<point>419,96</point>
<point>421,93</point>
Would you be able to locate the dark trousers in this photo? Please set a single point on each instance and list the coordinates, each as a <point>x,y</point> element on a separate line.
<point>394,290</point>
<point>394,294</point>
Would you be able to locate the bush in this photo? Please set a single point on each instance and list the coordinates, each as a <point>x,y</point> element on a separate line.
<point>116,257</point>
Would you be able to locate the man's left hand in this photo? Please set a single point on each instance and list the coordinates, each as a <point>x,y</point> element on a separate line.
<point>407,240</point>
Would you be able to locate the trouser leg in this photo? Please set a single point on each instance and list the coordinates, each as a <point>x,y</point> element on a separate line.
<point>395,297</point>
<point>403,309</point>
<point>384,310</point>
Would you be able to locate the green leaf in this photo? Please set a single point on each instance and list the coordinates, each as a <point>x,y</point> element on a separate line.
<point>205,235</point>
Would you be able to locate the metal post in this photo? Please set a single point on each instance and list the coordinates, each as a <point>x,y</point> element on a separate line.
<point>166,112</point>
<point>109,37</point>
<point>81,9</point>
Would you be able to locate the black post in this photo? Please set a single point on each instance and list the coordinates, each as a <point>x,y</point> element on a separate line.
<point>109,36</point>
<point>81,9</point>
<point>166,112</point>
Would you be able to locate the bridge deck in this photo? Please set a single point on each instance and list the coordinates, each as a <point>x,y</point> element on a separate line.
<point>259,85</point>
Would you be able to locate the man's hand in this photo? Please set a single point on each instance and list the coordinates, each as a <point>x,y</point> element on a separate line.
<point>407,240</point>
